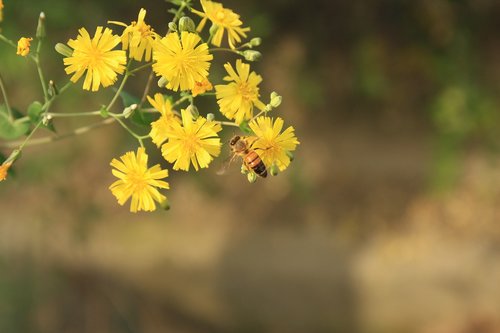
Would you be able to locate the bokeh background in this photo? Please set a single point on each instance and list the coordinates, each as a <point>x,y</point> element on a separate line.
<point>386,221</point>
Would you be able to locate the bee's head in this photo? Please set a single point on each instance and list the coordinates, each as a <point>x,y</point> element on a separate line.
<point>233,140</point>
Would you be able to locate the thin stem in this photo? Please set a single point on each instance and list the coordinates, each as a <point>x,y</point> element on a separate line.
<point>223,49</point>
<point>258,114</point>
<point>117,94</point>
<point>146,89</point>
<point>48,139</point>
<point>29,136</point>
<point>183,99</point>
<point>227,123</point>
<point>6,100</point>
<point>74,114</point>
<point>128,129</point>
<point>40,71</point>
<point>140,68</point>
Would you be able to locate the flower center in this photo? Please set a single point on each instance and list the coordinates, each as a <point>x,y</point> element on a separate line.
<point>220,16</point>
<point>246,92</point>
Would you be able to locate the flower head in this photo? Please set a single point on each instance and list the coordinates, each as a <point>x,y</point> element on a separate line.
<point>272,145</point>
<point>138,37</point>
<point>23,46</point>
<point>137,181</point>
<point>223,19</point>
<point>237,98</point>
<point>201,87</point>
<point>167,117</point>
<point>1,10</point>
<point>195,141</point>
<point>181,60</point>
<point>3,170</point>
<point>97,57</point>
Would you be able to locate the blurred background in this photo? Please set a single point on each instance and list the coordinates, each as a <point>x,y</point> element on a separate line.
<point>386,221</point>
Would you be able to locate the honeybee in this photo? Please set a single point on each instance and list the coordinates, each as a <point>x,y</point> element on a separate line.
<point>252,160</point>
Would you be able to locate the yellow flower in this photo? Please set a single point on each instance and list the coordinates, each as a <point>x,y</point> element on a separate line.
<point>1,10</point>
<point>97,57</point>
<point>237,99</point>
<point>195,141</point>
<point>159,127</point>
<point>271,145</point>
<point>201,87</point>
<point>223,19</point>
<point>138,37</point>
<point>3,170</point>
<point>137,181</point>
<point>181,61</point>
<point>23,46</point>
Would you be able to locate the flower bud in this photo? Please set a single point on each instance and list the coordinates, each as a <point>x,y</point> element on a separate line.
<point>162,82</point>
<point>274,170</point>
<point>290,155</point>
<point>252,177</point>
<point>53,91</point>
<point>186,24</point>
<point>172,26</point>
<point>40,28</point>
<point>46,119</point>
<point>129,110</point>
<point>64,50</point>
<point>255,41</point>
<point>193,110</point>
<point>275,100</point>
<point>165,204</point>
<point>244,169</point>
<point>213,29</point>
<point>251,55</point>
<point>210,117</point>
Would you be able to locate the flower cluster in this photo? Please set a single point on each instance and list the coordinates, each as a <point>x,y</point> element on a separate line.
<point>182,60</point>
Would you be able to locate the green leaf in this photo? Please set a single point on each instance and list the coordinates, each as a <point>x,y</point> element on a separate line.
<point>143,119</point>
<point>129,99</point>
<point>12,129</point>
<point>35,111</point>
<point>245,128</point>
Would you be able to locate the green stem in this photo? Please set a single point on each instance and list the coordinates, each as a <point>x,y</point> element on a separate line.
<point>74,114</point>
<point>117,94</point>
<point>140,68</point>
<point>6,100</point>
<point>258,114</point>
<point>128,129</point>
<point>48,139</point>
<point>40,71</point>
<point>227,123</point>
<point>183,99</point>
<point>29,136</point>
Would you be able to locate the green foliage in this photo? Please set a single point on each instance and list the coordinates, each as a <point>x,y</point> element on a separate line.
<point>12,128</point>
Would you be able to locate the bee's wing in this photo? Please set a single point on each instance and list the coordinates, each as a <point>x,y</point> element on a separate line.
<point>225,165</point>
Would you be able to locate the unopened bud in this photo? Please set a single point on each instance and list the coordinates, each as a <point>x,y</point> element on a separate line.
<point>162,82</point>
<point>213,29</point>
<point>193,110</point>
<point>274,170</point>
<point>129,110</point>
<point>172,26</point>
<point>53,91</point>
<point>46,119</point>
<point>64,50</point>
<point>210,117</point>
<point>251,55</point>
<point>290,155</point>
<point>275,100</point>
<point>252,177</point>
<point>40,28</point>
<point>165,204</point>
<point>186,24</point>
<point>244,169</point>
<point>255,41</point>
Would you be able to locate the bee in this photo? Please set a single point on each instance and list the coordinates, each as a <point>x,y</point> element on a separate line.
<point>251,159</point>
